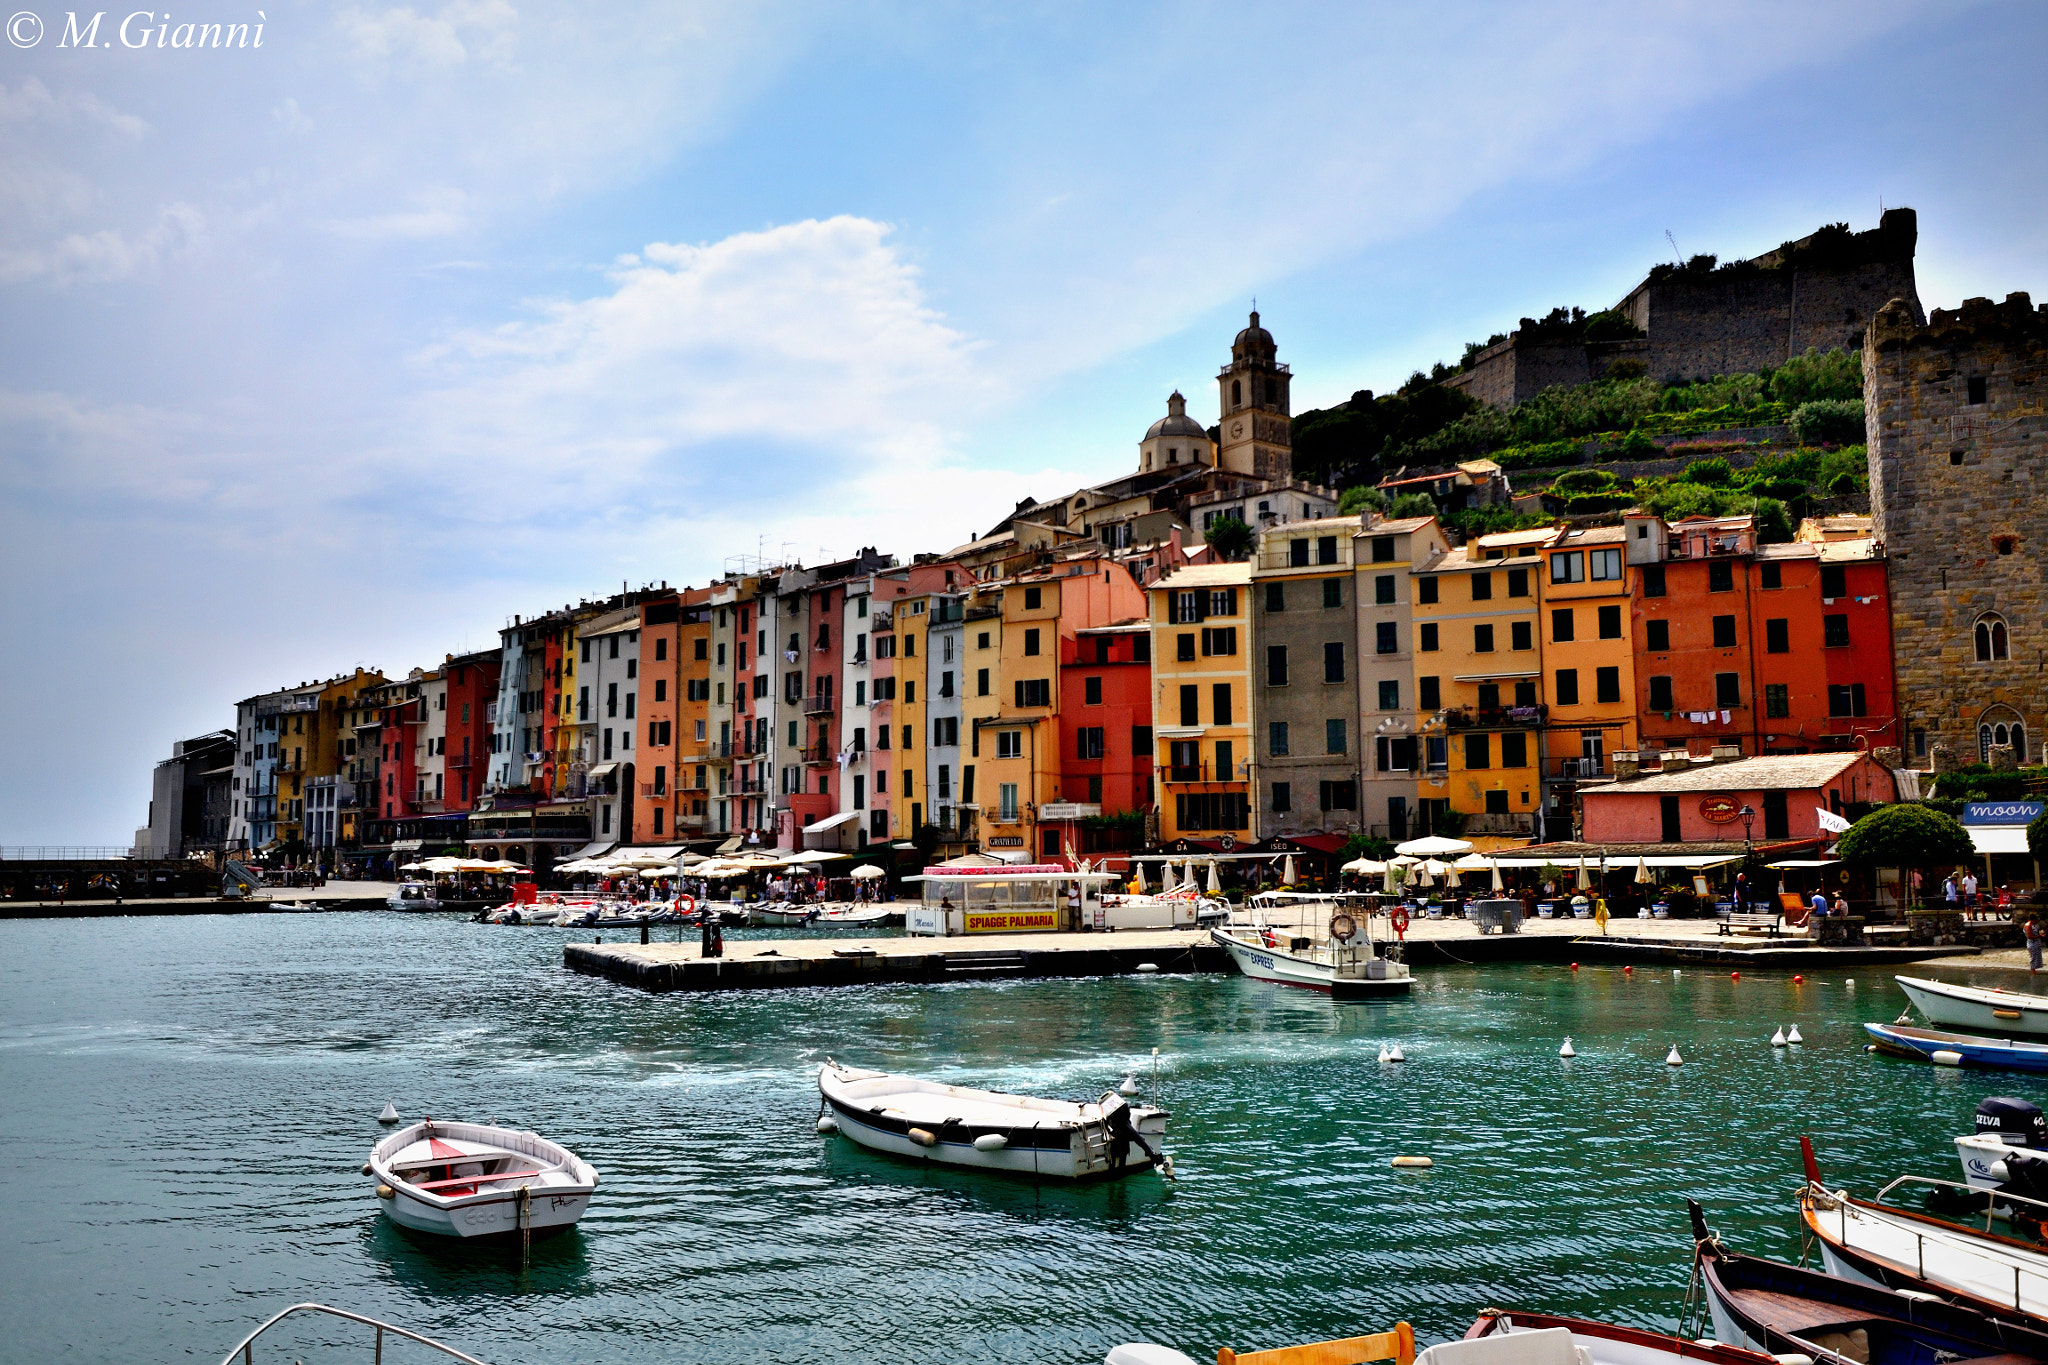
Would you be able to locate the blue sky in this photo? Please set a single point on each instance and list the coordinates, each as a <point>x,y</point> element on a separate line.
<point>343,349</point>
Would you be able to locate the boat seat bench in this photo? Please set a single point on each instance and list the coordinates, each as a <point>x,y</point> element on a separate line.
<point>1799,1316</point>
<point>471,1180</point>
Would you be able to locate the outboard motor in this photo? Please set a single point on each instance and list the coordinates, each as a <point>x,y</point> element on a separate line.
<point>2027,1176</point>
<point>2014,1122</point>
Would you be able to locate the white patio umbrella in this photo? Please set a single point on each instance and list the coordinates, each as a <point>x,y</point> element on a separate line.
<point>1388,882</point>
<point>1643,877</point>
<point>1496,876</point>
<point>1139,868</point>
<point>1473,862</point>
<point>867,872</point>
<point>1403,860</point>
<point>1364,866</point>
<point>1287,871</point>
<point>1429,846</point>
<point>1420,873</point>
<point>1585,882</point>
<point>1187,872</point>
<point>1451,875</point>
<point>1215,881</point>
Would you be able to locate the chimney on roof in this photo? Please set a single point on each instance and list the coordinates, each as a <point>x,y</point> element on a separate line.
<point>1677,761</point>
<point>1724,753</point>
<point>1625,767</point>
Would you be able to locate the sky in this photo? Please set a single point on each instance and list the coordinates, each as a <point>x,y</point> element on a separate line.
<point>343,348</point>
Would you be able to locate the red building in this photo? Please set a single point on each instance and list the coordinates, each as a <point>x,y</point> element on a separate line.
<point>1105,722</point>
<point>1704,803</point>
<point>1776,649</point>
<point>472,686</point>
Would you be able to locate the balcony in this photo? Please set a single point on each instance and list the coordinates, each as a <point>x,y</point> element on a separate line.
<point>820,754</point>
<point>1509,824</point>
<point>460,761</point>
<point>1495,717</point>
<point>1187,772</point>
<point>753,786</point>
<point>1576,769</point>
<point>821,706</point>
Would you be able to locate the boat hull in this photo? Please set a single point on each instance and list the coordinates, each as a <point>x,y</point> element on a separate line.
<point>1263,963</point>
<point>1919,1044</point>
<point>549,1192</point>
<point>487,1215</point>
<point>1900,1250</point>
<point>2000,1012</point>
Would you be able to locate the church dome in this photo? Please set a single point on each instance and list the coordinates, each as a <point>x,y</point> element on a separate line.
<point>1176,422</point>
<point>1254,340</point>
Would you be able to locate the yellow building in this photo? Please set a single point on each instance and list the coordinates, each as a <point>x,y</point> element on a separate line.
<point>981,678</point>
<point>1588,664</point>
<point>1478,684</point>
<point>1201,699</point>
<point>1016,748</point>
<point>906,796</point>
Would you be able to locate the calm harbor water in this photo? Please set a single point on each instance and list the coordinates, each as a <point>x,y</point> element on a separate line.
<point>188,1101</point>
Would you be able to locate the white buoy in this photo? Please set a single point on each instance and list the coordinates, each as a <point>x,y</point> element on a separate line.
<point>1850,983</point>
<point>1384,1056</point>
<point>1566,1050</point>
<point>1778,1038</point>
<point>1793,1036</point>
<point>1148,966</point>
<point>1394,1054</point>
<point>1905,1017</point>
<point>1129,1087</point>
<point>1676,972</point>
<point>389,1114</point>
<point>991,1142</point>
<point>1412,1163</point>
<point>1672,1058</point>
<point>1944,1057</point>
<point>828,1124</point>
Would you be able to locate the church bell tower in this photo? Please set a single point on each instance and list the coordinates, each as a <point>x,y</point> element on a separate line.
<point>1252,396</point>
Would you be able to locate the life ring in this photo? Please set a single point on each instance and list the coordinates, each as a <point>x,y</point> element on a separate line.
<point>1343,927</point>
<point>686,896</point>
<point>1399,919</point>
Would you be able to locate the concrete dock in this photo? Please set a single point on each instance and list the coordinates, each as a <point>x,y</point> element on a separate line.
<point>756,964</point>
<point>333,896</point>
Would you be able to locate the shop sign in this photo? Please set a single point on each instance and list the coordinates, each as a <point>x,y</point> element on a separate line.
<point>1006,841</point>
<point>1720,809</point>
<point>1006,870</point>
<point>2002,812</point>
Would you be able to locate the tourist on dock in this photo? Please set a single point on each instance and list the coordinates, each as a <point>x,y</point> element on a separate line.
<point>1970,892</point>
<point>1600,913</point>
<point>1949,893</point>
<point>1820,905</point>
<point>1742,893</point>
<point>2035,939</point>
<point>1841,904</point>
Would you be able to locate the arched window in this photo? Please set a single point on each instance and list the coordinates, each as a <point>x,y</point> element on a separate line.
<point>1993,644</point>
<point>1236,394</point>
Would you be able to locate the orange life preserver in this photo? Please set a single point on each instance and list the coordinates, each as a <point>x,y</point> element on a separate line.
<point>686,896</point>
<point>1399,919</point>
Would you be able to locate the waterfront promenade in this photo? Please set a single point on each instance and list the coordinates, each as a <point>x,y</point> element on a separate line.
<point>679,964</point>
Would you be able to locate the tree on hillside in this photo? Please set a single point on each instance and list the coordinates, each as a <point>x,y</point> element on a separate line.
<point>1231,538</point>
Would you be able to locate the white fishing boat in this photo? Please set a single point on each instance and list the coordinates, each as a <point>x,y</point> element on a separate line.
<point>844,915</point>
<point>990,1130</point>
<point>473,1180</point>
<point>1338,954</point>
<point>2008,1148</point>
<point>782,916</point>
<point>1984,1009</point>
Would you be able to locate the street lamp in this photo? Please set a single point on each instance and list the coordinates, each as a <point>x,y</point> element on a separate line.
<point>1748,820</point>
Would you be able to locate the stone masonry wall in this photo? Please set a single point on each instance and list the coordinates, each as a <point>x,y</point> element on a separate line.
<point>1735,322</point>
<point>1957,492</point>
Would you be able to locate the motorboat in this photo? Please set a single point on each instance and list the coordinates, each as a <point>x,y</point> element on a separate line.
<point>1786,1311</point>
<point>1499,1337</point>
<point>2008,1146</point>
<point>843,916</point>
<point>1904,1249</point>
<point>1340,956</point>
<point>414,896</point>
<point>474,1180</point>
<point>782,916</point>
<point>990,1130</point>
<point>1957,1049</point>
<point>1978,1008</point>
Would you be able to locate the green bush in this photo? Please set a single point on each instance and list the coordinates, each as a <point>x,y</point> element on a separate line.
<point>1714,472</point>
<point>1594,504</point>
<point>2037,835</point>
<point>1231,538</point>
<point>1363,498</point>
<point>1907,835</point>
<point>1544,455</point>
<point>1583,481</point>
<point>1412,505</point>
<point>1773,522</point>
<point>1980,782</point>
<point>1818,375</point>
<point>1828,421</point>
<point>1664,423</point>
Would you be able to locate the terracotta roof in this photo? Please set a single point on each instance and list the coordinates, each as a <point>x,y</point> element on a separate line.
<point>1594,535</point>
<point>1206,576</point>
<point>1397,526</point>
<point>1770,772</point>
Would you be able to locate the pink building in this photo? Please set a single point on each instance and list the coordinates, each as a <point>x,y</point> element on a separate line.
<point>1704,801</point>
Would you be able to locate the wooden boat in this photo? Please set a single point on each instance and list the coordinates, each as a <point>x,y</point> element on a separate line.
<point>990,1130</point>
<point>1497,1338</point>
<point>1984,1010</point>
<point>1897,1248</point>
<point>1339,956</point>
<point>473,1180</point>
<point>1957,1049</point>
<point>1783,1310</point>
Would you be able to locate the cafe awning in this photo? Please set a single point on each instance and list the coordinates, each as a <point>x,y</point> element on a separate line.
<point>601,771</point>
<point>592,850</point>
<point>1998,838</point>
<point>832,821</point>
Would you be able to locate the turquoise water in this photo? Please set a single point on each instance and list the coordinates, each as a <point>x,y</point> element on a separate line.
<point>189,1100</point>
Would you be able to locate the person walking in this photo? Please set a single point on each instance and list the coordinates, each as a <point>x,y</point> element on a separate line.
<point>2035,940</point>
<point>1970,892</point>
<point>1600,913</point>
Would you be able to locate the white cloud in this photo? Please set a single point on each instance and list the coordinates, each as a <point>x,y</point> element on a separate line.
<point>439,212</point>
<point>31,101</point>
<point>108,254</point>
<point>401,37</point>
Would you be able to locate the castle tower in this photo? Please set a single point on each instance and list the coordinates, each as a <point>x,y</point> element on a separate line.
<point>1958,444</point>
<point>1175,441</point>
<point>1252,396</point>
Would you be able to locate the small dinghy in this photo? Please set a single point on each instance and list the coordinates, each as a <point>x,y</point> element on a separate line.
<point>991,1130</point>
<point>1769,1306</point>
<point>1974,1007</point>
<point>783,916</point>
<point>473,1180</point>
<point>851,915</point>
<point>1957,1049</point>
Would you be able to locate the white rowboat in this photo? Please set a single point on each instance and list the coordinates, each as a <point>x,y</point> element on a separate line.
<point>473,1180</point>
<point>1973,1007</point>
<point>990,1130</point>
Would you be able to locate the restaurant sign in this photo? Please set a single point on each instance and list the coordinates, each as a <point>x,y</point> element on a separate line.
<point>1721,810</point>
<point>1011,921</point>
<point>1006,841</point>
<point>1006,870</point>
<point>2002,812</point>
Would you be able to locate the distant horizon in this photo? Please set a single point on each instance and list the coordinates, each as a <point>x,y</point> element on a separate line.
<point>344,349</point>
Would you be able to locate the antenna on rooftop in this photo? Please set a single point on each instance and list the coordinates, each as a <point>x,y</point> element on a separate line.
<point>1676,254</point>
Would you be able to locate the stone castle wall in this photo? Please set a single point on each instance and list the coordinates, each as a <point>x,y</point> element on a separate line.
<point>1957,490</point>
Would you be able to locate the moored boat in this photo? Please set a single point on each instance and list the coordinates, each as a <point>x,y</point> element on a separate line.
<point>1784,1310</point>
<point>2009,1147</point>
<point>991,1130</point>
<point>1957,1049</point>
<point>782,916</point>
<point>1983,1009</point>
<point>1898,1248</point>
<point>474,1180</point>
<point>1498,1338</point>
<point>1340,957</point>
<point>851,915</point>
